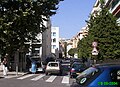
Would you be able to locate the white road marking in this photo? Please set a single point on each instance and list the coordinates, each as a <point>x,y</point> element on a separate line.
<point>38,77</point>
<point>65,79</point>
<point>9,77</point>
<point>26,76</point>
<point>51,79</point>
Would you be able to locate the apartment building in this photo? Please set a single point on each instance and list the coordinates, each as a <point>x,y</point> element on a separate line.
<point>46,41</point>
<point>65,46</point>
<point>114,8</point>
<point>81,34</point>
<point>55,41</point>
<point>112,5</point>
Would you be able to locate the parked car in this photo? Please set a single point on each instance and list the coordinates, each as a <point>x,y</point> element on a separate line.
<point>107,75</point>
<point>72,60</point>
<point>76,69</point>
<point>54,68</point>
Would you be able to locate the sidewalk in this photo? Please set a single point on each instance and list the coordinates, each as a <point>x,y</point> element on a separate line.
<point>12,74</point>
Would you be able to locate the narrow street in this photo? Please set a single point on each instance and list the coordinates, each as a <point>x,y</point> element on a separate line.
<point>39,79</point>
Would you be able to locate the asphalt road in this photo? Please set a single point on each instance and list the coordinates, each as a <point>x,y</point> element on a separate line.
<point>39,80</point>
<point>46,81</point>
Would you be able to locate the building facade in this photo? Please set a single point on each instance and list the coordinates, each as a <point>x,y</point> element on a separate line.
<point>81,34</point>
<point>65,46</point>
<point>55,41</point>
<point>114,8</point>
<point>112,5</point>
<point>46,41</point>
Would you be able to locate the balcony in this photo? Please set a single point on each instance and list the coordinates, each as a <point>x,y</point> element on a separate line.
<point>115,4</point>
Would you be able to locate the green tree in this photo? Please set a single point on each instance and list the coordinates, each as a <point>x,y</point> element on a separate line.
<point>104,29</point>
<point>72,51</point>
<point>22,20</point>
<point>84,48</point>
<point>65,49</point>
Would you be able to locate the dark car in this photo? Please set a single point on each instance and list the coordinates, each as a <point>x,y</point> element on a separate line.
<point>76,69</point>
<point>72,60</point>
<point>107,75</point>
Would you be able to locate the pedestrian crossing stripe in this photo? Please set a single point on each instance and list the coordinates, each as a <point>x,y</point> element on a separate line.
<point>38,77</point>
<point>24,77</point>
<point>51,79</point>
<point>65,79</point>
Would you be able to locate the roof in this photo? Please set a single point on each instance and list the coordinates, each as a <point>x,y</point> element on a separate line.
<point>107,65</point>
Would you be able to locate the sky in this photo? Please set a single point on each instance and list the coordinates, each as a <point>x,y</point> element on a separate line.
<point>71,16</point>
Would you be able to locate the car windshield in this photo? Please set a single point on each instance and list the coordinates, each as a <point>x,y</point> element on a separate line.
<point>89,71</point>
<point>53,64</point>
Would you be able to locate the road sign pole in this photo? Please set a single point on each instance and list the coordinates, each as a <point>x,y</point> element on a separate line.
<point>94,52</point>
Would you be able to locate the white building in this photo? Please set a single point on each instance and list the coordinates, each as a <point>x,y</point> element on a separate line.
<point>55,41</point>
<point>42,47</point>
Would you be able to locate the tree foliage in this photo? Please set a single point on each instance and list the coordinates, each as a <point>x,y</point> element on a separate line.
<point>104,29</point>
<point>72,51</point>
<point>22,20</point>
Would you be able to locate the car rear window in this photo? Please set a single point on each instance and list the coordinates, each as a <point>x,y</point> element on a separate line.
<point>77,66</point>
<point>53,64</point>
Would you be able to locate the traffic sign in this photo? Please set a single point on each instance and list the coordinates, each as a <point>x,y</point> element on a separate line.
<point>94,44</point>
<point>95,51</point>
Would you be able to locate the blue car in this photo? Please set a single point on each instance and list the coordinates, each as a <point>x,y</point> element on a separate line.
<point>107,75</point>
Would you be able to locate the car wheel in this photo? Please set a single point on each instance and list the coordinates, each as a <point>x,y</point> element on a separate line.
<point>83,80</point>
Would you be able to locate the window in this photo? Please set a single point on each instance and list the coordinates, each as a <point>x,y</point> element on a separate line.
<point>54,40</point>
<point>54,46</point>
<point>114,3</point>
<point>53,64</point>
<point>54,33</point>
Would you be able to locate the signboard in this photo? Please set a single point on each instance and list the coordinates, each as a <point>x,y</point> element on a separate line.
<point>94,44</point>
<point>95,51</point>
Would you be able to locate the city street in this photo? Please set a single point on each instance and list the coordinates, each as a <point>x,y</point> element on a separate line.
<point>37,80</point>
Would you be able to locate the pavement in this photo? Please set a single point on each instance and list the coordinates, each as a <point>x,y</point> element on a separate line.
<point>12,74</point>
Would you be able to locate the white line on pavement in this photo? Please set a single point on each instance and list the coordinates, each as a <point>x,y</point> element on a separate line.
<point>65,79</point>
<point>38,77</point>
<point>51,79</point>
<point>26,76</point>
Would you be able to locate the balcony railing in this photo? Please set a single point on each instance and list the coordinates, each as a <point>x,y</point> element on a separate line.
<point>114,3</point>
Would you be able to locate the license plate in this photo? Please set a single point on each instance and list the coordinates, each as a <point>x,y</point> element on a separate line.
<point>77,73</point>
<point>39,69</point>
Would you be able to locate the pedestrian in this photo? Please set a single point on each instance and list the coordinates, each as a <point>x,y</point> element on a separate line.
<point>5,69</point>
